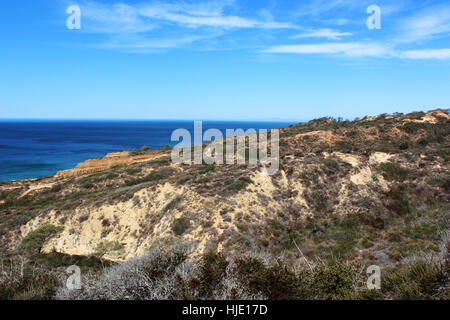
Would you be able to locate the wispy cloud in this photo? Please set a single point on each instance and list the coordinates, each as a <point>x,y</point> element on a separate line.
<point>418,25</point>
<point>425,25</point>
<point>114,18</point>
<point>439,54</point>
<point>322,7</point>
<point>362,49</point>
<point>166,25</point>
<point>322,33</point>
<point>352,49</point>
<point>226,24</point>
<point>140,43</point>
<point>142,17</point>
<point>191,18</point>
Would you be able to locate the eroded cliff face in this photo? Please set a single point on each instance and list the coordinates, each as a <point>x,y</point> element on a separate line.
<point>378,170</point>
<point>111,160</point>
<point>215,222</point>
<point>147,217</point>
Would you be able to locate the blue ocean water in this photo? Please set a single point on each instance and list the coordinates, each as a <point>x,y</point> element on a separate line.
<point>32,149</point>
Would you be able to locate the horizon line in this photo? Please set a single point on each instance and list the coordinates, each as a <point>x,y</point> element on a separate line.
<point>148,119</point>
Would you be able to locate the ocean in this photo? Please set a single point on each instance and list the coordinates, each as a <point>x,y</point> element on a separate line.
<point>33,149</point>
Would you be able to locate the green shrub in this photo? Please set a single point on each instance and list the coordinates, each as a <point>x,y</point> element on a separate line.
<point>331,164</point>
<point>156,175</point>
<point>83,218</point>
<point>57,259</point>
<point>333,281</point>
<point>422,142</point>
<point>133,171</point>
<point>206,168</point>
<point>344,233</point>
<point>17,203</point>
<point>180,226</point>
<point>107,247</point>
<point>393,171</point>
<point>420,280</point>
<point>17,219</point>
<point>212,270</point>
<point>289,171</point>
<point>320,200</point>
<point>57,187</point>
<point>416,115</point>
<point>411,248</point>
<point>34,241</point>
<point>134,152</point>
<point>375,177</point>
<point>422,230</point>
<point>239,184</point>
<point>343,146</point>
<point>160,160</point>
<point>172,204</point>
<point>276,282</point>
<point>19,281</point>
<point>404,146</point>
<point>165,264</point>
<point>400,203</point>
<point>87,185</point>
<point>111,175</point>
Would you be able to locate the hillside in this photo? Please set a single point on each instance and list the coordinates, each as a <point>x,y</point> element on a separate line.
<point>348,194</point>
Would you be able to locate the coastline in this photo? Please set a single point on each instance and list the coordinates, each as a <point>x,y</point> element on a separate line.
<point>35,150</point>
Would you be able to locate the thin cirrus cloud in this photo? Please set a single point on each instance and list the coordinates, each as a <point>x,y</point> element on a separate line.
<point>208,19</point>
<point>116,18</point>
<point>423,25</point>
<point>439,54</point>
<point>323,33</point>
<point>161,25</point>
<point>142,44</point>
<point>426,25</point>
<point>362,49</point>
<point>351,49</point>
<point>213,24</point>
<point>119,17</point>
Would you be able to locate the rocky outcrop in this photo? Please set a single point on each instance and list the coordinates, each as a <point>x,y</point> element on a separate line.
<point>111,160</point>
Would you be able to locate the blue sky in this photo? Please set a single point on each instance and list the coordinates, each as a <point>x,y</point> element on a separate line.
<point>223,60</point>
